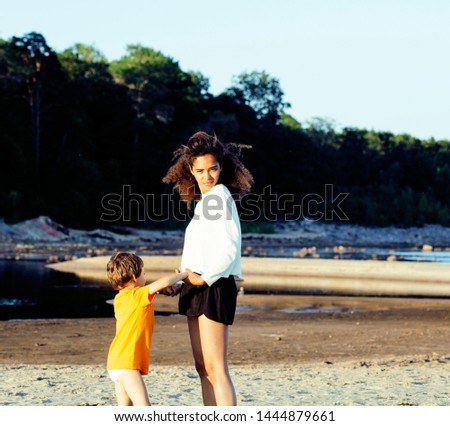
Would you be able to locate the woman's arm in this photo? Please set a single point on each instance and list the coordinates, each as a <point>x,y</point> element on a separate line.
<point>194,279</point>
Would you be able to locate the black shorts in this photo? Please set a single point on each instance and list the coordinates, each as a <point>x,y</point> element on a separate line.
<point>217,302</point>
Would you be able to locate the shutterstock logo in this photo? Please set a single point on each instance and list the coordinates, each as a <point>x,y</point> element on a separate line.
<point>268,206</point>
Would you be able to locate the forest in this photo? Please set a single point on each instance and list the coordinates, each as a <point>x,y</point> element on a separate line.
<point>80,135</point>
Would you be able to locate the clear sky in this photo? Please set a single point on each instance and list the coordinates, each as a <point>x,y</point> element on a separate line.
<point>374,64</point>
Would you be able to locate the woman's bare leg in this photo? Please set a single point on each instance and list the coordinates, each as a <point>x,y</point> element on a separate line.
<point>209,341</point>
<point>207,388</point>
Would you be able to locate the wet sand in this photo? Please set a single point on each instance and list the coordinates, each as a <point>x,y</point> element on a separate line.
<point>268,329</point>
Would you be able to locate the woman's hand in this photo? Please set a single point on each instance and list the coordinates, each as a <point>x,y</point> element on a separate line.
<point>194,279</point>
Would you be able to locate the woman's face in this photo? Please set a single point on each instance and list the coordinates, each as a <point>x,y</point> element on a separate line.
<point>206,170</point>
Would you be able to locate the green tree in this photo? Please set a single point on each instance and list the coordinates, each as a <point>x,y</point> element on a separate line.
<point>261,92</point>
<point>85,62</point>
<point>156,81</point>
<point>290,122</point>
<point>32,86</point>
<point>36,64</point>
<point>166,101</point>
<point>95,155</point>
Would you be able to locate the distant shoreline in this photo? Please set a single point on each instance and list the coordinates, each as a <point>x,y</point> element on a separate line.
<point>42,239</point>
<point>305,276</point>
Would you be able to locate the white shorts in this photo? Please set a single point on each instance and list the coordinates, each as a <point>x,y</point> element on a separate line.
<point>115,374</point>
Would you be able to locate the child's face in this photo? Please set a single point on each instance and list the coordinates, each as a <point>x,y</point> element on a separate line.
<point>140,280</point>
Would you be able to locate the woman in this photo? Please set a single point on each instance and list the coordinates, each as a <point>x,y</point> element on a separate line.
<point>206,169</point>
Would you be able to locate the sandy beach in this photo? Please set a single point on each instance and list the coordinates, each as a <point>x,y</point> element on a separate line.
<point>284,350</point>
<point>264,385</point>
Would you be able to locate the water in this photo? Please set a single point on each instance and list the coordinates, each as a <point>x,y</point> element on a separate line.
<point>420,256</point>
<point>30,290</point>
<point>350,253</point>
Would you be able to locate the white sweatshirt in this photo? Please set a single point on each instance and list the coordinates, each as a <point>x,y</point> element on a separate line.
<point>212,242</point>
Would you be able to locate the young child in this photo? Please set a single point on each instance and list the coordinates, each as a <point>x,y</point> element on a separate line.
<point>129,354</point>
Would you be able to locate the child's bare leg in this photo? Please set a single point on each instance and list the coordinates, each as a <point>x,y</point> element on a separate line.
<point>122,397</point>
<point>134,388</point>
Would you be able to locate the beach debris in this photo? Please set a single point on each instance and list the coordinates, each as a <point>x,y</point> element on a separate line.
<point>278,337</point>
<point>247,250</point>
<point>307,251</point>
<point>41,228</point>
<point>42,237</point>
<point>300,253</point>
<point>391,258</point>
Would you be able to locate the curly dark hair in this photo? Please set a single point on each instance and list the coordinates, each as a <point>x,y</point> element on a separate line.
<point>234,174</point>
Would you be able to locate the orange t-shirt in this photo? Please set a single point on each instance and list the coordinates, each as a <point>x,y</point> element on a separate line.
<point>134,314</point>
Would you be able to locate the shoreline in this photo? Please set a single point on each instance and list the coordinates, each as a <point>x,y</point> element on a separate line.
<point>43,239</point>
<point>304,276</point>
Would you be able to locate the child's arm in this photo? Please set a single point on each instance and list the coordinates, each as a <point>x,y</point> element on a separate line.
<point>172,290</point>
<point>166,281</point>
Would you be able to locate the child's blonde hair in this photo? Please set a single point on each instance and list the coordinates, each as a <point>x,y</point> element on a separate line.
<point>121,268</point>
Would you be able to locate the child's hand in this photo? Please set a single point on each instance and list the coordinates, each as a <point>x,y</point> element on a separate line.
<point>172,290</point>
<point>194,279</point>
<point>179,271</point>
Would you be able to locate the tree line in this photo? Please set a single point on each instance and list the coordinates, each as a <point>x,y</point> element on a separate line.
<point>76,128</point>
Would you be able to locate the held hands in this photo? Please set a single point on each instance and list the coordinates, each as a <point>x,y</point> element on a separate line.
<point>194,279</point>
<point>188,277</point>
<point>172,290</point>
<point>175,289</point>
